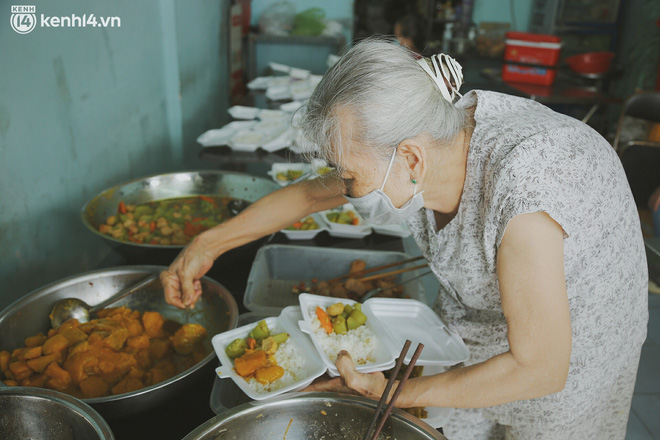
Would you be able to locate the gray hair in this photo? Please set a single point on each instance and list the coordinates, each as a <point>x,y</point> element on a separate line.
<point>388,95</point>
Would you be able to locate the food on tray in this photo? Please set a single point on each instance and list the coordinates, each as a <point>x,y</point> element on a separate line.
<point>344,217</point>
<point>337,330</point>
<point>352,287</point>
<point>289,175</point>
<point>417,371</point>
<point>306,224</point>
<point>321,171</point>
<point>120,352</point>
<point>267,360</point>
<point>169,221</point>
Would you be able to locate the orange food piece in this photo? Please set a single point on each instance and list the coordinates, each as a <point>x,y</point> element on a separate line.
<point>35,340</point>
<point>35,380</point>
<point>10,383</point>
<point>93,387</point>
<point>324,319</point>
<point>81,364</point>
<point>187,338</point>
<point>117,339</point>
<point>60,377</point>
<point>31,353</point>
<point>73,335</point>
<point>153,324</point>
<point>159,347</point>
<point>4,360</point>
<point>247,364</point>
<point>39,364</point>
<point>20,370</point>
<point>138,342</point>
<point>55,344</point>
<point>269,374</point>
<point>126,385</point>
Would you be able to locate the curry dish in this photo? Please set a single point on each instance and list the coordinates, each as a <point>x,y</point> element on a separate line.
<point>122,351</point>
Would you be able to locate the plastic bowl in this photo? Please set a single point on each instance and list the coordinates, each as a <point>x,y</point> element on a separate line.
<point>590,63</point>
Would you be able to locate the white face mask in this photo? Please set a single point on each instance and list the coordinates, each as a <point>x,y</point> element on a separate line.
<point>377,208</point>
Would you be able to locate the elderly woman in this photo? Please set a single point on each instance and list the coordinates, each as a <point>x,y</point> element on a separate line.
<point>525,217</point>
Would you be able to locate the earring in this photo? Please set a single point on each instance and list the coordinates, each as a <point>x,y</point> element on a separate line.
<point>414,181</point>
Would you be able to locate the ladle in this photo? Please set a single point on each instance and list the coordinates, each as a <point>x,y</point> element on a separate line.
<point>68,308</point>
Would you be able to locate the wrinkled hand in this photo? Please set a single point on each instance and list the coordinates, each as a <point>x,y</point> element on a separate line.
<point>351,381</point>
<point>181,280</point>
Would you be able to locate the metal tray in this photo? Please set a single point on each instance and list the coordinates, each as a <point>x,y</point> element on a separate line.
<point>277,268</point>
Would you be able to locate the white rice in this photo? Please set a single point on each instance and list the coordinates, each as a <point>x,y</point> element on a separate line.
<point>288,358</point>
<point>360,343</point>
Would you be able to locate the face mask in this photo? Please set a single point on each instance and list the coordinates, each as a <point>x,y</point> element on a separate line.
<point>377,208</point>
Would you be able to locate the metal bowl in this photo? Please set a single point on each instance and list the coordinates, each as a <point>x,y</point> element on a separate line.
<point>28,413</point>
<point>303,416</point>
<point>216,310</point>
<point>166,186</point>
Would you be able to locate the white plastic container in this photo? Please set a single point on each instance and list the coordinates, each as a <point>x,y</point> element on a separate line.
<point>393,321</point>
<point>277,268</point>
<point>277,168</point>
<point>242,112</point>
<point>362,229</point>
<point>384,355</point>
<point>313,367</point>
<point>222,136</point>
<point>308,234</point>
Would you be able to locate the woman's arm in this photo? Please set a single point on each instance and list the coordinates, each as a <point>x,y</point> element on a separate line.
<point>266,216</point>
<point>530,269</point>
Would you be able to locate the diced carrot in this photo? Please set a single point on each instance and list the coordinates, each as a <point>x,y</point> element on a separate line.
<point>122,207</point>
<point>355,221</point>
<point>207,199</point>
<point>152,226</point>
<point>324,319</point>
<point>297,225</point>
<point>251,342</point>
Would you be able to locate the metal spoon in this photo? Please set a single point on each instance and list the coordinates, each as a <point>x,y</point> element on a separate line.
<point>68,308</point>
<point>376,291</point>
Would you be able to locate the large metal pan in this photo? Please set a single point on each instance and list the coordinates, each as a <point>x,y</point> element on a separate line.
<point>165,186</point>
<point>27,413</point>
<point>302,416</point>
<point>216,310</point>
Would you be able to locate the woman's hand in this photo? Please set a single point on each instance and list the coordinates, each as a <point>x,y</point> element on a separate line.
<point>181,280</point>
<point>369,385</point>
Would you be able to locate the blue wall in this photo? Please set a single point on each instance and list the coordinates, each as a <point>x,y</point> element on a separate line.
<point>500,11</point>
<point>82,109</point>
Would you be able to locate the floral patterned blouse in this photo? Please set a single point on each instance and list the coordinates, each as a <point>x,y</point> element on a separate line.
<point>523,157</point>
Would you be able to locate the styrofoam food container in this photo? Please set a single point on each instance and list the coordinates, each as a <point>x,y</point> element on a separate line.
<point>396,320</point>
<point>292,234</point>
<point>313,366</point>
<point>409,319</point>
<point>268,114</point>
<point>400,230</point>
<point>247,140</point>
<point>284,167</point>
<point>384,354</point>
<point>259,83</point>
<point>362,229</point>
<point>278,267</point>
<point>223,135</point>
<point>242,112</point>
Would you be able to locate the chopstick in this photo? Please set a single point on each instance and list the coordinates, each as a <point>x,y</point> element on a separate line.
<point>393,272</point>
<point>388,387</point>
<point>398,390</point>
<point>375,269</point>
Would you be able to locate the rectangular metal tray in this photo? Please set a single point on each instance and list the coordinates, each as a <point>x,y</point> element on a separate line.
<point>277,268</point>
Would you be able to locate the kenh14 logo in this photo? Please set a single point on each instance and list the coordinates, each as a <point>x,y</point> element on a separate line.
<point>23,18</point>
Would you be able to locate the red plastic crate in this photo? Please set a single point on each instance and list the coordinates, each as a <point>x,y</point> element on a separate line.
<point>544,76</point>
<point>539,49</point>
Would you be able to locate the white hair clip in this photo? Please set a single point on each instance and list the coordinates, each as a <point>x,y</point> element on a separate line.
<point>446,72</point>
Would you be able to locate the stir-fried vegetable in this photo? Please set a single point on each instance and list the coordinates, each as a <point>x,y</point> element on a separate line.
<point>306,224</point>
<point>344,218</point>
<point>340,318</point>
<point>166,222</point>
<point>289,175</point>
<point>253,356</point>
